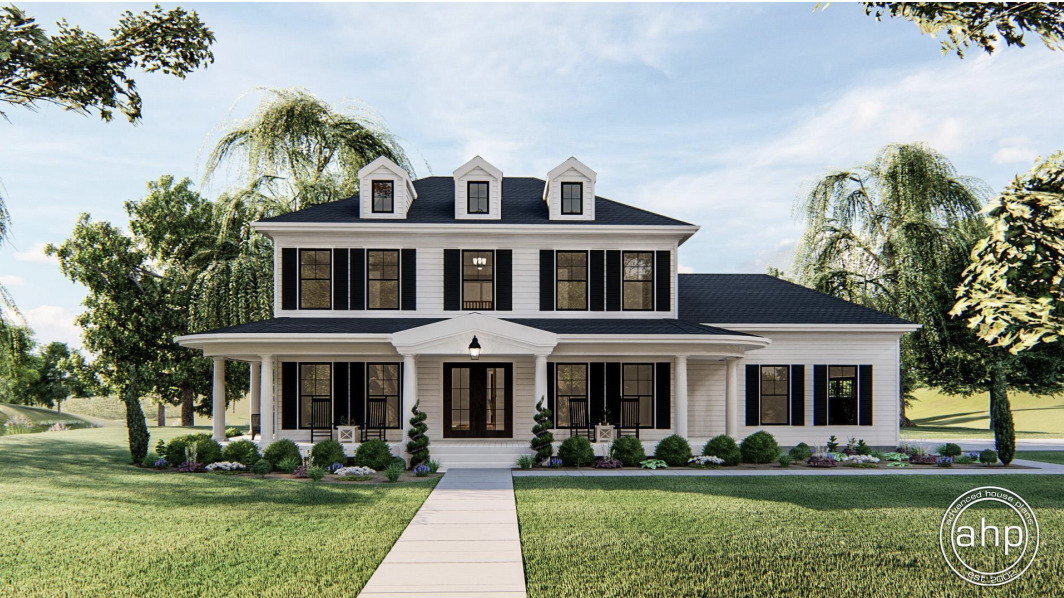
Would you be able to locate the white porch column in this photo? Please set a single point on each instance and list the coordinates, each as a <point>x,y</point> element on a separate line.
<point>218,399</point>
<point>255,392</point>
<point>409,395</point>
<point>680,365</point>
<point>540,385</point>
<point>731,402</point>
<point>266,397</point>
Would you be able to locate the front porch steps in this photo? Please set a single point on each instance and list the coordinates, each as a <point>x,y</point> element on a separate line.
<point>478,454</point>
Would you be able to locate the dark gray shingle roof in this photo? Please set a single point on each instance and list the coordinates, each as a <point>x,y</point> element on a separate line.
<point>763,299</point>
<point>522,203</point>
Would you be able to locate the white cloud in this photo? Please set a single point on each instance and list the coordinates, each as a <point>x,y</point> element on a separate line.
<point>1015,154</point>
<point>53,323</point>
<point>35,254</point>
<point>682,269</point>
<point>11,280</point>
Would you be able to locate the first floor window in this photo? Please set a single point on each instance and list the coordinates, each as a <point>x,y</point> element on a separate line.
<point>638,285</point>
<point>572,198</point>
<point>842,395</point>
<point>775,394</point>
<point>571,392</point>
<point>382,403</point>
<point>383,197</point>
<point>382,275</point>
<point>315,395</point>
<point>315,278</point>
<point>478,197</point>
<point>478,279</point>
<point>572,280</point>
<point>637,384</point>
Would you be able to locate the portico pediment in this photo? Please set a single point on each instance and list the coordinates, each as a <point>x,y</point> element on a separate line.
<point>496,337</point>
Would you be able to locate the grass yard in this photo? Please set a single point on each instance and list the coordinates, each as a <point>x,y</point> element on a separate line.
<point>762,536</point>
<point>78,521</point>
<point>1043,456</point>
<point>943,416</point>
<point>40,419</point>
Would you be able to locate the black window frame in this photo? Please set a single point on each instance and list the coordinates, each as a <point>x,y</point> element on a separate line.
<point>650,398</point>
<point>579,198</point>
<point>397,397</point>
<point>761,394</point>
<point>625,281</point>
<point>558,280</point>
<point>561,398</point>
<point>469,197</point>
<point>832,398</point>
<point>465,280</point>
<point>397,280</point>
<point>328,277</point>
<point>300,396</point>
<point>373,197</point>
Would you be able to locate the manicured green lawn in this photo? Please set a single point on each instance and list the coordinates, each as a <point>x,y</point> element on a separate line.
<point>762,536</point>
<point>78,521</point>
<point>942,416</point>
<point>40,418</point>
<point>1043,456</point>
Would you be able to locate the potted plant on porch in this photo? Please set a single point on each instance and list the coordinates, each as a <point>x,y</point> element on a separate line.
<point>604,430</point>
<point>347,431</point>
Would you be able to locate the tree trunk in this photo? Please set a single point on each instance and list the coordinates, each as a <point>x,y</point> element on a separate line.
<point>1001,415</point>
<point>160,419</point>
<point>59,406</point>
<point>135,424</point>
<point>186,405</point>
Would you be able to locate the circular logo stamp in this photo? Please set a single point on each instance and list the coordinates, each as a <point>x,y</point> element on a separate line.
<point>989,536</point>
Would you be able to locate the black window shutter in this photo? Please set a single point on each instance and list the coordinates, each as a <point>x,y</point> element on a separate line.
<point>820,395</point>
<point>408,284</point>
<point>663,281</point>
<point>289,278</point>
<point>753,389</point>
<point>504,280</point>
<point>663,395</point>
<point>596,391</point>
<point>452,279</point>
<point>358,278</point>
<point>864,395</point>
<point>358,392</point>
<point>552,387</point>
<point>596,271</point>
<point>289,395</point>
<point>341,394</point>
<point>613,281</point>
<point>339,281</point>
<point>797,395</point>
<point>546,280</point>
<point>613,391</point>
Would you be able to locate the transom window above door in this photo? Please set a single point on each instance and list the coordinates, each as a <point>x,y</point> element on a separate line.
<point>477,192</point>
<point>478,280</point>
<point>638,282</point>
<point>383,197</point>
<point>315,279</point>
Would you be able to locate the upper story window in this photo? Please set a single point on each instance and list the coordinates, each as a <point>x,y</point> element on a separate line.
<point>383,197</point>
<point>637,385</point>
<point>478,280</point>
<point>572,280</point>
<point>572,198</point>
<point>775,394</point>
<point>638,281</point>
<point>477,192</point>
<point>842,395</point>
<point>315,279</point>
<point>382,279</point>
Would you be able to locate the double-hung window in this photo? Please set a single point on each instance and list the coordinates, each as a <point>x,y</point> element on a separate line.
<point>637,383</point>
<point>383,197</point>
<point>315,388</point>
<point>775,395</point>
<point>572,198</point>
<point>638,282</point>
<point>477,192</point>
<point>572,280</point>
<point>382,278</point>
<point>315,278</point>
<point>478,280</point>
<point>571,389</point>
<point>382,385</point>
<point>842,395</point>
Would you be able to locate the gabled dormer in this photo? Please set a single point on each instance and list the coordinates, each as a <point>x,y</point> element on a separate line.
<point>570,191</point>
<point>477,191</point>
<point>384,190</point>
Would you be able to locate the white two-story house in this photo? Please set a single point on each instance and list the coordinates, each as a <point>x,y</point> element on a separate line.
<point>477,295</point>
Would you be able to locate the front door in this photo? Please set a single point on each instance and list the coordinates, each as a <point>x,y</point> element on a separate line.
<point>478,400</point>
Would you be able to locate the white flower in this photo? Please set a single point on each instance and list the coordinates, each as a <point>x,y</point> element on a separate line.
<point>860,459</point>
<point>354,471</point>
<point>226,466</point>
<point>705,460</point>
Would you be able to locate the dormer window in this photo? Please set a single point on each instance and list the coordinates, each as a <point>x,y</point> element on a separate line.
<point>477,192</point>
<point>572,198</point>
<point>383,197</point>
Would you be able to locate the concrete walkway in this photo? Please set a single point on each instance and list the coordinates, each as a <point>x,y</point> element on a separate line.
<point>463,542</point>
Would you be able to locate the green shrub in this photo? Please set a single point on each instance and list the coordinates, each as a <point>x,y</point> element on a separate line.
<point>525,461</point>
<point>152,457</point>
<point>988,457</point>
<point>654,464</point>
<point>862,448</point>
<point>262,467</point>
<point>950,450</point>
<point>964,460</point>
<point>759,447</point>
<point>374,454</point>
<point>327,452</point>
<point>673,450</point>
<point>207,450</point>
<point>724,447</point>
<point>242,451</point>
<point>800,452</point>
<point>434,465</point>
<point>628,450</point>
<point>418,446</point>
<point>393,471</point>
<point>289,464</point>
<point>542,442</point>
<point>316,473</point>
<point>279,451</point>
<point>784,460</point>
<point>576,451</point>
<point>233,432</point>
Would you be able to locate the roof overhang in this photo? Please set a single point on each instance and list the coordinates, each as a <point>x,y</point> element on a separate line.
<point>761,327</point>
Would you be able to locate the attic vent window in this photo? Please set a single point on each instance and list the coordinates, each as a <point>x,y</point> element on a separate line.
<point>383,197</point>
<point>572,198</point>
<point>478,197</point>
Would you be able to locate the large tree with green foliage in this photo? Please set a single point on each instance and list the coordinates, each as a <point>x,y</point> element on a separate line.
<point>879,235</point>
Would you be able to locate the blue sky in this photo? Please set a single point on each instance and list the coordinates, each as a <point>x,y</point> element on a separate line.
<point>716,114</point>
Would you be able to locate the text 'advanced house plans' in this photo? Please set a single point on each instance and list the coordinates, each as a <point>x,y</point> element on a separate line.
<point>477,295</point>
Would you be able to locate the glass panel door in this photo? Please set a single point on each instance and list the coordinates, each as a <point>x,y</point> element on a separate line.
<point>478,400</point>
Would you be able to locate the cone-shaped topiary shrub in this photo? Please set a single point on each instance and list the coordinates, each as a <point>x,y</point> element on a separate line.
<point>281,450</point>
<point>374,454</point>
<point>628,450</point>
<point>327,452</point>
<point>724,447</point>
<point>542,439</point>
<point>759,447</point>
<point>242,451</point>
<point>418,446</point>
<point>576,451</point>
<point>673,450</point>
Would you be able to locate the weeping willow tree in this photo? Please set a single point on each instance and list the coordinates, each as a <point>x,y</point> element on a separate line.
<point>881,234</point>
<point>294,151</point>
